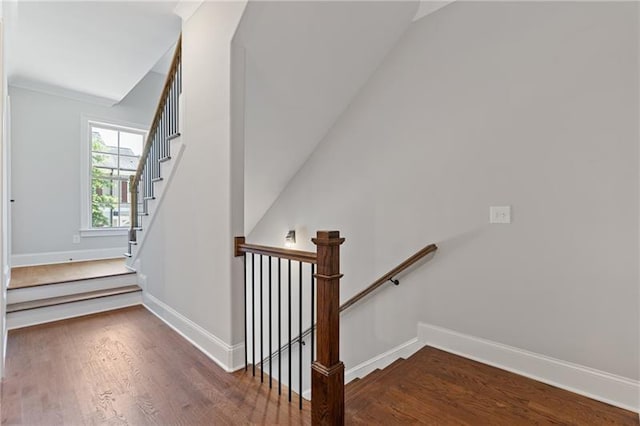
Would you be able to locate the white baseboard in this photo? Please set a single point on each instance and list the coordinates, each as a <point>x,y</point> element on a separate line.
<point>230,358</point>
<point>405,350</point>
<point>599,385</point>
<point>31,259</point>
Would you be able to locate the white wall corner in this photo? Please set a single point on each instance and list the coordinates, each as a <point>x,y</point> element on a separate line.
<point>229,357</point>
<point>599,385</point>
<point>186,8</point>
<point>30,259</point>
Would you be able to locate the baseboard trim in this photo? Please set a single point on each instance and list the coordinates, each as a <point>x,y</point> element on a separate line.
<point>31,259</point>
<point>404,350</point>
<point>599,385</point>
<point>230,358</point>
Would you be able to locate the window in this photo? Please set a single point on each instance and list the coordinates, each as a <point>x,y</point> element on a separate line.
<point>114,156</point>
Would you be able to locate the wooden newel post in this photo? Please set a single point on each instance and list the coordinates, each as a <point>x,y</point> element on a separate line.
<point>327,372</point>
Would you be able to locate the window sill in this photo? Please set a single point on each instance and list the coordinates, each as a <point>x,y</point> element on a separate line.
<point>104,232</point>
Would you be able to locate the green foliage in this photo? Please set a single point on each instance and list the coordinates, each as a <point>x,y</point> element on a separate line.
<point>100,186</point>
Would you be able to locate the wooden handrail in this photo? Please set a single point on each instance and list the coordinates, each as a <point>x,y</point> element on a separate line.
<point>299,255</point>
<point>383,279</point>
<point>175,63</point>
<point>389,275</point>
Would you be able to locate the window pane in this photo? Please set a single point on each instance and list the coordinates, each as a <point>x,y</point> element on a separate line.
<point>115,155</point>
<point>124,206</point>
<point>108,163</point>
<point>103,137</point>
<point>131,143</point>
<point>128,165</point>
<point>103,202</point>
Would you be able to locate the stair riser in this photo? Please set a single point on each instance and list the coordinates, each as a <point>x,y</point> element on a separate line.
<point>17,295</point>
<point>71,310</point>
<point>167,169</point>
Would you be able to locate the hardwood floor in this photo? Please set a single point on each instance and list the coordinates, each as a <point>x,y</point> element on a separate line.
<point>127,367</point>
<point>439,388</point>
<point>31,276</point>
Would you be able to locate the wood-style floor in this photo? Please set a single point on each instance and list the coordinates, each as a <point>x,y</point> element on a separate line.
<point>439,388</point>
<point>31,276</point>
<point>128,367</point>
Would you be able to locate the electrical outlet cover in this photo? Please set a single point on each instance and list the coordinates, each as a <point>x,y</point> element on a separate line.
<point>500,214</point>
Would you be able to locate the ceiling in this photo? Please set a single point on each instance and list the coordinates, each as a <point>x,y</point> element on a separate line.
<point>99,50</point>
<point>305,62</point>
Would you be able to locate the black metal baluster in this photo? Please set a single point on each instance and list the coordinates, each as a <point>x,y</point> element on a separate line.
<point>173,107</point>
<point>163,135</point>
<point>245,312</point>
<point>289,324</point>
<point>253,311</point>
<point>300,342</point>
<point>313,311</point>
<point>261,322</point>
<point>279,326</point>
<point>270,328</point>
<point>164,127</point>
<point>160,131</point>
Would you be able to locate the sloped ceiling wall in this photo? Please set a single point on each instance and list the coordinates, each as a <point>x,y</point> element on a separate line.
<point>305,61</point>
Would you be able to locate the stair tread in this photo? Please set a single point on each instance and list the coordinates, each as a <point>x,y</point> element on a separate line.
<point>372,379</point>
<point>63,273</point>
<point>78,297</point>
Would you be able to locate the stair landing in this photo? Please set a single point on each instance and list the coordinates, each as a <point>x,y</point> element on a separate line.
<point>32,276</point>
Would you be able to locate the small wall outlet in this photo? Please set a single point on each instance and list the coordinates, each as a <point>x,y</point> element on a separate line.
<point>500,214</point>
<point>76,239</point>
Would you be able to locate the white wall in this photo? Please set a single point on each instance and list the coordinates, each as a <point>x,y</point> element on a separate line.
<point>187,260</point>
<point>305,62</point>
<point>5,272</point>
<point>46,141</point>
<point>523,103</point>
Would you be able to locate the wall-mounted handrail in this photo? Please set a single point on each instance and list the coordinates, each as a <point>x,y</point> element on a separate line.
<point>389,276</point>
<point>377,283</point>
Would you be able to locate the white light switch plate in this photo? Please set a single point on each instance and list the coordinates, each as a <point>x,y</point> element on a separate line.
<point>500,214</point>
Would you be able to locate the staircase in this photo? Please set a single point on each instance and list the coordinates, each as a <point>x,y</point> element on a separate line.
<point>45,293</point>
<point>161,153</point>
<point>437,387</point>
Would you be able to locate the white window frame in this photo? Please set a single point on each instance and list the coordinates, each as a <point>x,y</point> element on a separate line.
<point>86,228</point>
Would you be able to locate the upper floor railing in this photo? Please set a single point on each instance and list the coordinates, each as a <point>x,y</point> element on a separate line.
<point>285,297</point>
